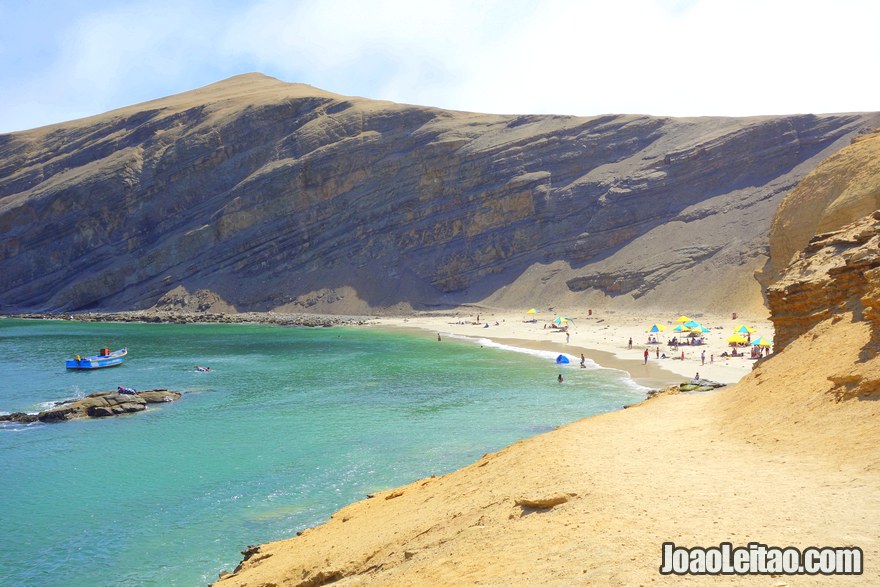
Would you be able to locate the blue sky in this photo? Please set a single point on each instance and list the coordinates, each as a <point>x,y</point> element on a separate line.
<point>61,60</point>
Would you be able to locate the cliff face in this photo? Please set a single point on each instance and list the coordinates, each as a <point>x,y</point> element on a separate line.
<point>282,196</point>
<point>844,188</point>
<point>820,386</point>
<point>836,276</point>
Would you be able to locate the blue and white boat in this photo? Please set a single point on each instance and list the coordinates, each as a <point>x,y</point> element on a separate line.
<point>104,358</point>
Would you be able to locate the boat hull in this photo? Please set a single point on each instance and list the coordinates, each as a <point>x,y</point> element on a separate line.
<point>113,359</point>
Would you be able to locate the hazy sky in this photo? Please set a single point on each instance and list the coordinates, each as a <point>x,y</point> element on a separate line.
<point>61,59</point>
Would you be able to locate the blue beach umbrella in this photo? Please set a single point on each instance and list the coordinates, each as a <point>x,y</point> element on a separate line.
<point>562,360</point>
<point>656,328</point>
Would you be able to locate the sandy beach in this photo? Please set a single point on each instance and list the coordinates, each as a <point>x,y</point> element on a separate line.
<point>603,337</point>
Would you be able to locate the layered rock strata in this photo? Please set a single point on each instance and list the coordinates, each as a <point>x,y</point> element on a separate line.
<point>276,196</point>
<point>837,274</point>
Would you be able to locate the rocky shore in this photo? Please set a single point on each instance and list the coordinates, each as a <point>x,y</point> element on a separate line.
<point>96,405</point>
<point>177,317</point>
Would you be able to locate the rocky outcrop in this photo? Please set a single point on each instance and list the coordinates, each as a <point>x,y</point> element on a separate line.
<point>842,189</point>
<point>96,405</point>
<point>199,302</point>
<point>186,317</point>
<point>264,195</point>
<point>837,274</point>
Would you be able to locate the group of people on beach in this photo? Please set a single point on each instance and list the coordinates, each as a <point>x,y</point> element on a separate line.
<point>561,379</point>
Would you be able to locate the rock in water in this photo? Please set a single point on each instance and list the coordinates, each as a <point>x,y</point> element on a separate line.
<point>107,403</point>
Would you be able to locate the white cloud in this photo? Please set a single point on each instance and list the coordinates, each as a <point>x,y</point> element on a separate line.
<point>673,57</point>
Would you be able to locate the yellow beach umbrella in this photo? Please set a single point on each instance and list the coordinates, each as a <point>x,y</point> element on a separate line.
<point>682,319</point>
<point>744,329</point>
<point>656,328</point>
<point>762,342</point>
<point>532,311</point>
<point>737,339</point>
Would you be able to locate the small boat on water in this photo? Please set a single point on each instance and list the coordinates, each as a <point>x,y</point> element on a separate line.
<point>105,358</point>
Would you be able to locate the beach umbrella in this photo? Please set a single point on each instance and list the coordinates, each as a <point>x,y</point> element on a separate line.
<point>762,342</point>
<point>683,319</point>
<point>532,311</point>
<point>737,339</point>
<point>563,320</point>
<point>692,324</point>
<point>562,360</point>
<point>681,328</point>
<point>745,329</point>
<point>656,328</point>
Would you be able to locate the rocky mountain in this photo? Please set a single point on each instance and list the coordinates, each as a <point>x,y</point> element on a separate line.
<point>266,195</point>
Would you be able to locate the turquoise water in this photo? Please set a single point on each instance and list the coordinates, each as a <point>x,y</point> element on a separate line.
<point>290,425</point>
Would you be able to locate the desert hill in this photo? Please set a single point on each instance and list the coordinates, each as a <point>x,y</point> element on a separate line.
<point>277,196</point>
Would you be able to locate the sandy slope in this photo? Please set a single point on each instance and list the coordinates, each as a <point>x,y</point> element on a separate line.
<point>633,479</point>
<point>774,459</point>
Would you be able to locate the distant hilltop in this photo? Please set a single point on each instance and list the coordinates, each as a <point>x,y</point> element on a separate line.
<point>264,195</point>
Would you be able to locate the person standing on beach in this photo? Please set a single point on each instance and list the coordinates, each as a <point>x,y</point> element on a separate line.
<point>630,343</point>
<point>567,337</point>
<point>703,357</point>
<point>658,352</point>
<point>646,356</point>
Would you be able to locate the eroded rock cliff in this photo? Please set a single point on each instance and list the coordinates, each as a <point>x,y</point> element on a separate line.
<point>842,189</point>
<point>836,276</point>
<point>281,196</point>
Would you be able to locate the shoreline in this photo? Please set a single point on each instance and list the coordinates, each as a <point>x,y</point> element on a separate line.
<point>588,335</point>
